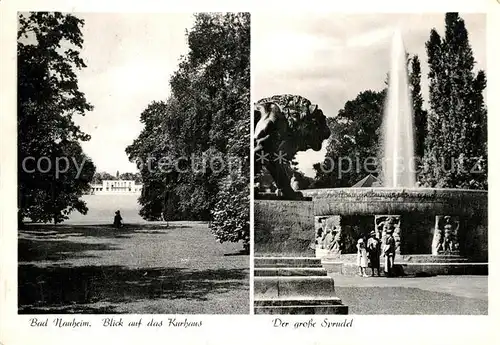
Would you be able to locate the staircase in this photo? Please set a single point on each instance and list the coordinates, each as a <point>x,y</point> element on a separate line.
<point>411,264</point>
<point>294,285</point>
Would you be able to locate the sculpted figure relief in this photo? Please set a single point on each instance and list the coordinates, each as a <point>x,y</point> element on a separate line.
<point>336,246</point>
<point>446,236</point>
<point>284,125</point>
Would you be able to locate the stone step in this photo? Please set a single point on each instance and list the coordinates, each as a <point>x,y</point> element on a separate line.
<point>436,259</point>
<point>303,310</point>
<point>423,258</point>
<point>306,287</point>
<point>302,306</point>
<point>274,261</point>
<point>297,301</point>
<point>333,267</point>
<point>290,271</point>
<point>440,268</point>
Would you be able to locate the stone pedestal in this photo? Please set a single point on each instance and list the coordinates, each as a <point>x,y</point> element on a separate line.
<point>283,228</point>
<point>289,278</point>
<point>437,231</point>
<point>294,286</point>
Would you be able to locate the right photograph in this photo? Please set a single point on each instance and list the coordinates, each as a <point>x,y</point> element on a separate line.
<point>370,164</point>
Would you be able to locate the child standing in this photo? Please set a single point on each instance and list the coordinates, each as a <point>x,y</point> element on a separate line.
<point>362,257</point>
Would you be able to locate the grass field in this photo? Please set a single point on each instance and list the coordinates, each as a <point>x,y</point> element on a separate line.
<point>84,267</point>
<point>102,210</point>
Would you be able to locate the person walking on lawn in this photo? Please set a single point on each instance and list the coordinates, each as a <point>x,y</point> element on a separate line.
<point>117,223</point>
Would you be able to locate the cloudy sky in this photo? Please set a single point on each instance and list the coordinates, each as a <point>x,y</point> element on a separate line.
<point>330,58</point>
<point>130,59</point>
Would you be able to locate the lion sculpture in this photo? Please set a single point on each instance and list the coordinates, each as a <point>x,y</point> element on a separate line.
<point>285,125</point>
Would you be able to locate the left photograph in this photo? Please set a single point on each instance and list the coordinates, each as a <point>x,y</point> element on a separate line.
<point>133,163</point>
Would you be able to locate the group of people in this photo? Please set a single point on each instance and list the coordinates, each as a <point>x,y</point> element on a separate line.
<point>368,251</point>
<point>369,254</point>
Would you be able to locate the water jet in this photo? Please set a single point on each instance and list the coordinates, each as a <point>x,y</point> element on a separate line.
<point>439,230</point>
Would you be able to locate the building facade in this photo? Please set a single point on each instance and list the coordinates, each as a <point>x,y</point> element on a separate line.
<point>116,187</point>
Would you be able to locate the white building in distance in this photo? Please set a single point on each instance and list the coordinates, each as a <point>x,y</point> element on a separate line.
<point>116,187</point>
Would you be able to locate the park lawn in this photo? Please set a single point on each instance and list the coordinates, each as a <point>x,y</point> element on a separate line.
<point>156,267</point>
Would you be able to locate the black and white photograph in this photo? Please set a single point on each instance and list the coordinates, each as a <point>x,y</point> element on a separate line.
<point>371,164</point>
<point>234,172</point>
<point>133,163</point>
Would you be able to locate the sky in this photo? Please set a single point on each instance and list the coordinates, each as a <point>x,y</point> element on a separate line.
<point>130,59</point>
<point>330,58</point>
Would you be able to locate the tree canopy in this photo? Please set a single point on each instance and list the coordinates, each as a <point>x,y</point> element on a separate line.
<point>355,138</point>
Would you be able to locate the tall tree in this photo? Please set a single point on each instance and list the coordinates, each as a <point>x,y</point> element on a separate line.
<point>353,147</point>
<point>420,115</point>
<point>456,142</point>
<point>155,144</point>
<point>202,132</point>
<point>48,99</point>
<point>131,176</point>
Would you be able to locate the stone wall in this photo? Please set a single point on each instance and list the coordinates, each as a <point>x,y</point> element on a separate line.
<point>474,239</point>
<point>417,231</point>
<point>283,228</point>
<point>287,228</point>
<point>369,201</point>
<point>418,210</point>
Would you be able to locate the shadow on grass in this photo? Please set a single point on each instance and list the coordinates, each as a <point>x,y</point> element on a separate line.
<point>29,250</point>
<point>56,242</point>
<point>57,289</point>
<point>96,230</point>
<point>242,252</point>
<point>72,309</point>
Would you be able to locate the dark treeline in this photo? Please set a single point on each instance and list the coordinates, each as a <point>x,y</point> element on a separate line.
<point>100,176</point>
<point>190,138</point>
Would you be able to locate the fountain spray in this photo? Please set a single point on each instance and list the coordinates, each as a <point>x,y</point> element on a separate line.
<point>398,138</point>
